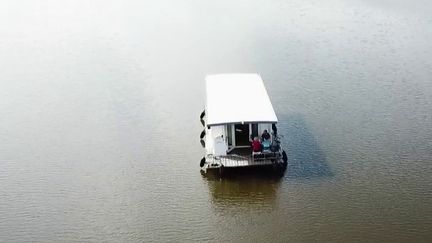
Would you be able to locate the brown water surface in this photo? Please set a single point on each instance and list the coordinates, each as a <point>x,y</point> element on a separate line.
<point>99,128</point>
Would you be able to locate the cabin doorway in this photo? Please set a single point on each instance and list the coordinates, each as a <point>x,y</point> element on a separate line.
<point>242,135</point>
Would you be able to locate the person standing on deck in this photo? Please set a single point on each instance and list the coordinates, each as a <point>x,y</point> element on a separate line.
<point>265,136</point>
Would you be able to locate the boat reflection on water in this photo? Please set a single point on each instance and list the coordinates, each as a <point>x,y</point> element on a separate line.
<point>243,191</point>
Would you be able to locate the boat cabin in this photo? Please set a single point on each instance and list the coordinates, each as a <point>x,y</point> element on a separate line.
<point>238,109</point>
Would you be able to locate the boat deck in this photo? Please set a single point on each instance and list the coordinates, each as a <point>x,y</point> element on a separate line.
<point>242,157</point>
<point>239,161</point>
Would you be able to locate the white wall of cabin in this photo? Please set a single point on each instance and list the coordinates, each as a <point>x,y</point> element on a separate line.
<point>211,135</point>
<point>221,130</point>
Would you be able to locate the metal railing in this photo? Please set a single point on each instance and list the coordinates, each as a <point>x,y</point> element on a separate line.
<point>242,160</point>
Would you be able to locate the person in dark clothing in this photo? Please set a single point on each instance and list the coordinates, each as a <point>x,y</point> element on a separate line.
<point>265,136</point>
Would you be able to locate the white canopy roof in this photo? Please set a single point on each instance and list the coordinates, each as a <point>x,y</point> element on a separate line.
<point>237,98</point>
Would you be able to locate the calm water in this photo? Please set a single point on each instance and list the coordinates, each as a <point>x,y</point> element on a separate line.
<point>99,105</point>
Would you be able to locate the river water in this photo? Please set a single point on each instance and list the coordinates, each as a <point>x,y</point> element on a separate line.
<point>99,128</point>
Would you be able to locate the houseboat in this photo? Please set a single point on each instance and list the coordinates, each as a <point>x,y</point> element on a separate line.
<point>239,125</point>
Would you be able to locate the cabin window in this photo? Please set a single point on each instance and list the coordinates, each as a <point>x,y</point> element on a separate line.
<point>229,134</point>
<point>254,130</point>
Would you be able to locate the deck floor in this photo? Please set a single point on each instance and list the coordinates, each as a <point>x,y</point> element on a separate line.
<point>241,151</point>
<point>242,157</point>
<point>234,161</point>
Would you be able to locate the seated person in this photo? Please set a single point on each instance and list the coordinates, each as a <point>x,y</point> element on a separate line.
<point>256,145</point>
<point>266,145</point>
<point>265,136</point>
